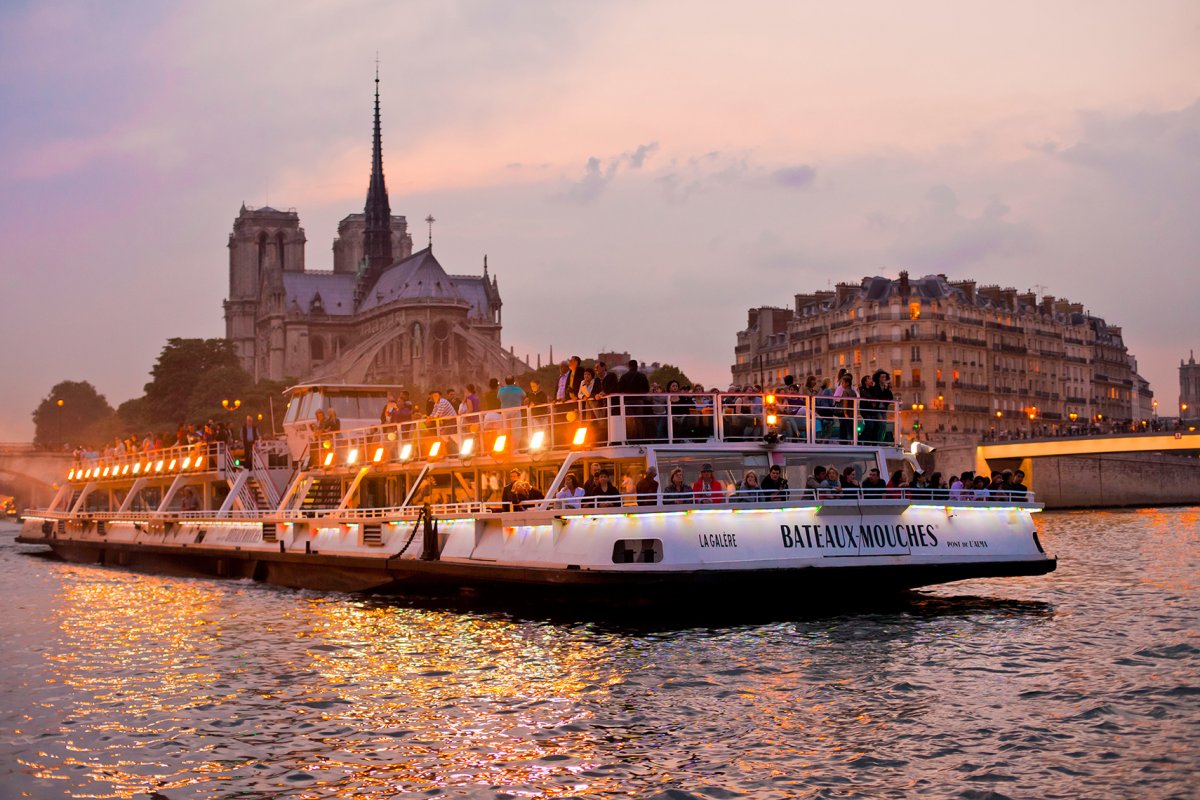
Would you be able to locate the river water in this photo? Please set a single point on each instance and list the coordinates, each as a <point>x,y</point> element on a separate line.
<point>1081,684</point>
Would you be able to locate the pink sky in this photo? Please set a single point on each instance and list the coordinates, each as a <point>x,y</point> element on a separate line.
<point>638,173</point>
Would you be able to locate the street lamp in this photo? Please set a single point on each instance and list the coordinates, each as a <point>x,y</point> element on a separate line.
<point>917,409</point>
<point>60,403</point>
<point>231,405</point>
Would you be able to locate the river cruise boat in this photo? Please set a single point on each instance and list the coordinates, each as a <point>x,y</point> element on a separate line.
<point>486,502</point>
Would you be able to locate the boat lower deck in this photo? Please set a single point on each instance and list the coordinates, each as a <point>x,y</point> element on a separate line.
<point>623,586</point>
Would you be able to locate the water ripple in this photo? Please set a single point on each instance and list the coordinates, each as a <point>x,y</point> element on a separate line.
<point>1078,684</point>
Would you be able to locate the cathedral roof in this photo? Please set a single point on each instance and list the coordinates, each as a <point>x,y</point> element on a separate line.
<point>419,276</point>
<point>336,291</point>
<point>474,289</point>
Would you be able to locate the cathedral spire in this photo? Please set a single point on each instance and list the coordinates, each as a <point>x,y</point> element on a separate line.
<point>377,231</point>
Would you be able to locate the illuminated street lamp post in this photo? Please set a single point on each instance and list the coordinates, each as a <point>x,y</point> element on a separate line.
<point>917,409</point>
<point>60,403</point>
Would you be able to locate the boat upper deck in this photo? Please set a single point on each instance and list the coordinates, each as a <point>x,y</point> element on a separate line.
<point>642,419</point>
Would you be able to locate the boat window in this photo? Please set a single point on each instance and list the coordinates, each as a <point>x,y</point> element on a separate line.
<point>434,489</point>
<point>96,501</point>
<point>729,468</point>
<point>346,407</point>
<point>637,551</point>
<point>147,499</point>
<point>293,408</point>
<point>798,467</point>
<point>372,493</point>
<point>491,485</point>
<point>309,403</point>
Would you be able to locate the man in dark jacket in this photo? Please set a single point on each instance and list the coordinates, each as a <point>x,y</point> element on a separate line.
<point>634,382</point>
<point>883,407</point>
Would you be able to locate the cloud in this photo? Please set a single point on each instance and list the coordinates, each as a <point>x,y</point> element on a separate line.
<point>598,173</point>
<point>940,238</point>
<point>798,177</point>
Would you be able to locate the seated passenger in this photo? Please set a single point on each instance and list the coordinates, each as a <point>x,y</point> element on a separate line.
<point>981,491</point>
<point>775,486</point>
<point>749,491</point>
<point>961,488</point>
<point>604,495</point>
<point>817,479</point>
<point>569,496</point>
<point>1018,488</point>
<point>677,491</point>
<point>873,483</point>
<point>849,478</point>
<point>508,495</point>
<point>707,488</point>
<point>190,502</point>
<point>647,488</point>
<point>831,482</point>
<point>896,485</point>
<point>332,423</point>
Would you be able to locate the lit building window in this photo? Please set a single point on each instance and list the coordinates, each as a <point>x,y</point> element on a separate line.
<point>914,310</point>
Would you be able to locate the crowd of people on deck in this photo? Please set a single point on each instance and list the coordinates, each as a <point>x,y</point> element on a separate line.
<point>843,411</point>
<point>602,490</point>
<point>185,434</point>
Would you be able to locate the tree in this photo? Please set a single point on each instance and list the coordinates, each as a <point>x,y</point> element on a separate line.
<point>667,373</point>
<point>181,370</point>
<point>67,413</point>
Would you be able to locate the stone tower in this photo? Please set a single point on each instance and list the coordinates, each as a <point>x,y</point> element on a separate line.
<point>1189,388</point>
<point>264,244</point>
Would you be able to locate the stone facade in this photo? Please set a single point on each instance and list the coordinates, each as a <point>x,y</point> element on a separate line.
<point>970,359</point>
<point>383,314</point>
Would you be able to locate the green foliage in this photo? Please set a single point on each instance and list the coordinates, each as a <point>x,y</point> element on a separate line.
<point>82,407</point>
<point>183,369</point>
<point>214,385</point>
<point>546,376</point>
<point>667,373</point>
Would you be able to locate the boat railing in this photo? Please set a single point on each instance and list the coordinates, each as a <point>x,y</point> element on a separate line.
<point>645,503</point>
<point>774,497</point>
<point>163,463</point>
<point>655,418</point>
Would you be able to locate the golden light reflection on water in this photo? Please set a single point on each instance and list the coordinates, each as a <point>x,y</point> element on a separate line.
<point>231,683</point>
<point>199,689</point>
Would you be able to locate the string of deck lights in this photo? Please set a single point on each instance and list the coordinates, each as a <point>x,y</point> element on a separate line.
<point>437,449</point>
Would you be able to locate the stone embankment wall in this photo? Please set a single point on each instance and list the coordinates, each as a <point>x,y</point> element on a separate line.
<point>1101,481</point>
<point>1113,480</point>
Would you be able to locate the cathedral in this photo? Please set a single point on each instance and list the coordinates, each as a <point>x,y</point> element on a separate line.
<point>383,314</point>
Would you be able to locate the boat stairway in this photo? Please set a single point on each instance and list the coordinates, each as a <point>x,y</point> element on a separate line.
<point>324,493</point>
<point>260,496</point>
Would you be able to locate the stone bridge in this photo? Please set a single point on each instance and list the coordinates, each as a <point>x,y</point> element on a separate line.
<point>29,474</point>
<point>1119,470</point>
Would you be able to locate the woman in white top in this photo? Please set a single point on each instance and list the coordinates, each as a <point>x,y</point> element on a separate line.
<point>569,496</point>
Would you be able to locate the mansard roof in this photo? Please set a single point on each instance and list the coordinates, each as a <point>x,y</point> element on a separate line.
<point>419,276</point>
